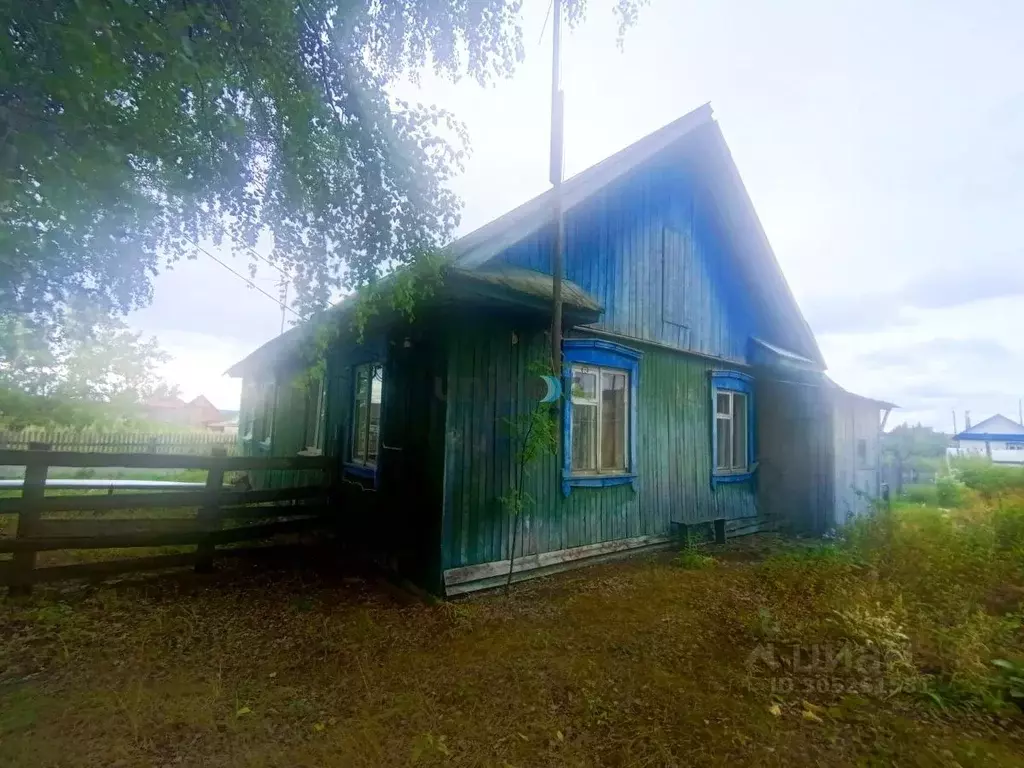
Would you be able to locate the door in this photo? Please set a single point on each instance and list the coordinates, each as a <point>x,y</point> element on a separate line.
<point>408,473</point>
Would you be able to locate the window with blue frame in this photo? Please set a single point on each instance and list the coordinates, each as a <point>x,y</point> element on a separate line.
<point>599,420</point>
<point>733,434</point>
<point>367,394</point>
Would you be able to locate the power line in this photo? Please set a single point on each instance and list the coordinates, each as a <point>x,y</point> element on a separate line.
<point>268,261</point>
<point>246,280</point>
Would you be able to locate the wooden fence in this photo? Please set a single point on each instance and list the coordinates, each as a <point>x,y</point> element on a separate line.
<point>163,443</point>
<point>253,515</point>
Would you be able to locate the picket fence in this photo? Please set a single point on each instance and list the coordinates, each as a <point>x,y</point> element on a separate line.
<point>157,443</point>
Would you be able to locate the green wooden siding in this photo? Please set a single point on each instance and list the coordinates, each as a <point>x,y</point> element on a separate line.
<point>488,384</point>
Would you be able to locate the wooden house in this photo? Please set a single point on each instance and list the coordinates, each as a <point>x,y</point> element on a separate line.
<point>694,388</point>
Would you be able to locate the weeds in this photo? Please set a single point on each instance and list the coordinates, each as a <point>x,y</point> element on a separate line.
<point>692,560</point>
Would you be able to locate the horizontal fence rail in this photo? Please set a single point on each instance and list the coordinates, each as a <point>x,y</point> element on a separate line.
<point>160,443</point>
<point>203,518</point>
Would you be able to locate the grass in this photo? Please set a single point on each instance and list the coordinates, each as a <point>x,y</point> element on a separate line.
<point>879,648</point>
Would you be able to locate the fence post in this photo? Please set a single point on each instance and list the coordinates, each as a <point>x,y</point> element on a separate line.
<point>209,513</point>
<point>34,487</point>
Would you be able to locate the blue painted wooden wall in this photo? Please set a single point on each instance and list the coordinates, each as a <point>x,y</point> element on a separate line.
<point>649,248</point>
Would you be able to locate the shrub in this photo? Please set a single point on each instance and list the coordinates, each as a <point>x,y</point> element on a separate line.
<point>990,479</point>
<point>949,492</point>
<point>920,494</point>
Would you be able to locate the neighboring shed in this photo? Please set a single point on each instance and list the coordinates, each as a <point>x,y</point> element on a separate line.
<point>693,389</point>
<point>858,425</point>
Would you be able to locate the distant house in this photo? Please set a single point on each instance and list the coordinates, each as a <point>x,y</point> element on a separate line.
<point>997,438</point>
<point>694,390</point>
<point>198,413</point>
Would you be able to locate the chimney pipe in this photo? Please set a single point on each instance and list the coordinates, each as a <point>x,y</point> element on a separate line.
<point>967,420</point>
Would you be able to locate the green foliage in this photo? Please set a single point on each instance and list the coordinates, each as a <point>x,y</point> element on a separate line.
<point>949,492</point>
<point>91,356</point>
<point>916,441</point>
<point>956,574</point>
<point>19,410</point>
<point>692,560</point>
<point>534,435</point>
<point>1011,679</point>
<point>987,478</point>
<point>131,130</point>
<point>924,493</point>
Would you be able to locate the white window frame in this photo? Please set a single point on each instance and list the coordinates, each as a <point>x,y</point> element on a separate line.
<point>318,425</point>
<point>352,458</point>
<point>730,417</point>
<point>578,399</point>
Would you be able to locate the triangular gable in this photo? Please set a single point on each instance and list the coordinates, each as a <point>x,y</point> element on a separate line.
<point>764,276</point>
<point>994,425</point>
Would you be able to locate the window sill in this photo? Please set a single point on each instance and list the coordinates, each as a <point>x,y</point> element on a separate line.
<point>717,478</point>
<point>361,470</point>
<point>595,481</point>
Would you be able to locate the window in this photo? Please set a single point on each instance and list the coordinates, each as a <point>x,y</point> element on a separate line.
<point>366,407</point>
<point>732,434</point>
<point>599,419</point>
<point>600,425</point>
<point>315,402</point>
<point>862,452</point>
<point>731,426</point>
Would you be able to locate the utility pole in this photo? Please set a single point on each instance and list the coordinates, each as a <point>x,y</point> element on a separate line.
<point>557,111</point>
<point>284,298</point>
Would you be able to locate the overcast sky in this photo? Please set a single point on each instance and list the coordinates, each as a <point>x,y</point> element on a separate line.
<point>882,143</point>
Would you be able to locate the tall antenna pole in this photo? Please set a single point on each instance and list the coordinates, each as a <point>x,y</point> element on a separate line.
<point>557,109</point>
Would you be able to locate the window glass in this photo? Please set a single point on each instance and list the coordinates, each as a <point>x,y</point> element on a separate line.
<point>739,432</point>
<point>376,395</point>
<point>584,437</point>
<point>360,413</point>
<point>723,403</point>
<point>584,384</point>
<point>600,419</point>
<point>314,414</point>
<point>366,412</point>
<point>614,421</point>
<point>723,437</point>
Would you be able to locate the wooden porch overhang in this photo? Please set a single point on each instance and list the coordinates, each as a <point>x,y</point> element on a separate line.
<point>499,287</point>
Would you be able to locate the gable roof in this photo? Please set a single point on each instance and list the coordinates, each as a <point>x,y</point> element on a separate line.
<point>993,427</point>
<point>207,411</point>
<point>842,392</point>
<point>479,246</point>
<point>764,275</point>
<point>763,279</point>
